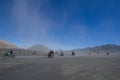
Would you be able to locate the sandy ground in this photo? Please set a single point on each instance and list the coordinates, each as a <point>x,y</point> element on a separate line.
<point>60,68</point>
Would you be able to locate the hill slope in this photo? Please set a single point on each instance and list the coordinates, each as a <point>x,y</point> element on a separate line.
<point>7,45</point>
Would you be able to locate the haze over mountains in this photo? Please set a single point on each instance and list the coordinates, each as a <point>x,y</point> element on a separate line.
<point>39,47</point>
<point>42,48</point>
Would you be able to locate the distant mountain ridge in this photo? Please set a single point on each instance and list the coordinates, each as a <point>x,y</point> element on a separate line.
<point>7,45</point>
<point>108,47</point>
<point>112,48</point>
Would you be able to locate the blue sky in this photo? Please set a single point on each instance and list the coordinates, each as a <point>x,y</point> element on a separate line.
<point>60,24</point>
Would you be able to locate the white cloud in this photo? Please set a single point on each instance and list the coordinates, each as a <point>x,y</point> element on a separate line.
<point>32,26</point>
